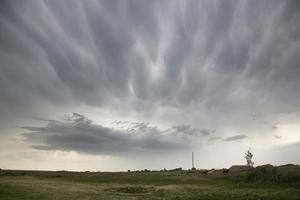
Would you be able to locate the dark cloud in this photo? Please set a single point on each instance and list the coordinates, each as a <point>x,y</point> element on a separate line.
<point>191,63</point>
<point>77,133</point>
<point>192,131</point>
<point>236,138</point>
<point>174,55</point>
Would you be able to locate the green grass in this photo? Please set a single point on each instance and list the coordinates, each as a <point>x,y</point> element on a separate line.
<point>271,183</point>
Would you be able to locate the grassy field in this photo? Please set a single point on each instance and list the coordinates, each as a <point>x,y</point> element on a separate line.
<point>260,183</point>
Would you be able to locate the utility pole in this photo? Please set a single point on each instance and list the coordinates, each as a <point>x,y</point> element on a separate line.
<point>193,164</point>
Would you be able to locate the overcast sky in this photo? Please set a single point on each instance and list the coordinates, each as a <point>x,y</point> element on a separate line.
<point>116,85</point>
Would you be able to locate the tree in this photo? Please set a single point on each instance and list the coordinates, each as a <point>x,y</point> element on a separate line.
<point>248,156</point>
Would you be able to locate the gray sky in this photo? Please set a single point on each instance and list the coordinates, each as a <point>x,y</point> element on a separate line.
<point>117,85</point>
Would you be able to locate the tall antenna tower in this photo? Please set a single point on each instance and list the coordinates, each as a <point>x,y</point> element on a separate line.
<point>193,164</point>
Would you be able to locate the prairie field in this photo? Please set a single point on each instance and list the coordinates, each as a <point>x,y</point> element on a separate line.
<point>260,183</point>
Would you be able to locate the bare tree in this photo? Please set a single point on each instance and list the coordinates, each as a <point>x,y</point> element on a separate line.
<point>248,156</point>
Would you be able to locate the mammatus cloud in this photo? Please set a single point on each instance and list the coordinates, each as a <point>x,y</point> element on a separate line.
<point>224,56</point>
<point>78,133</point>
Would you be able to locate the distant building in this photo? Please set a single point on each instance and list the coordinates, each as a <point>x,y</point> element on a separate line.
<point>265,166</point>
<point>238,168</point>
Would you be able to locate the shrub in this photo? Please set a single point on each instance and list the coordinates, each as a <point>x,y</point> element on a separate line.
<point>273,174</point>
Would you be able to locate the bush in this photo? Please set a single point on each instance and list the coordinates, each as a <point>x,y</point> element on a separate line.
<point>273,174</point>
<point>176,169</point>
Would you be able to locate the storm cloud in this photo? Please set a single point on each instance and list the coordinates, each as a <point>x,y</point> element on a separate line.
<point>199,69</point>
<point>78,133</point>
<point>221,54</point>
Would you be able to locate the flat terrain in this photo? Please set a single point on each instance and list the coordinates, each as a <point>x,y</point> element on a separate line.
<point>260,183</point>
